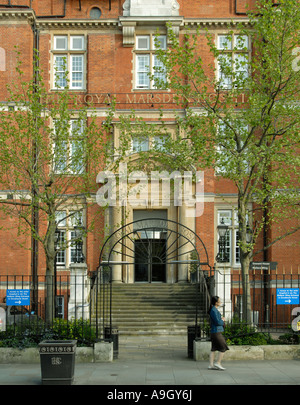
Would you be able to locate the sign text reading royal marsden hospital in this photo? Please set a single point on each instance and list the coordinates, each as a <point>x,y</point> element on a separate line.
<point>128,98</point>
<point>145,99</point>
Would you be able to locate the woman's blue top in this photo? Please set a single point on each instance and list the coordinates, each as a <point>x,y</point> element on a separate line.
<point>216,323</point>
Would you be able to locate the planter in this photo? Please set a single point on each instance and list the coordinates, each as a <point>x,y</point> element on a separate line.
<point>246,352</point>
<point>10,355</point>
<point>101,352</point>
<point>57,361</point>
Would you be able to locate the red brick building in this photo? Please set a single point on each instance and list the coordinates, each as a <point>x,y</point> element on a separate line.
<point>107,45</point>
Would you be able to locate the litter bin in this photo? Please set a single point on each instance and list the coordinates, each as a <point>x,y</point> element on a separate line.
<point>57,361</point>
<point>112,334</point>
<point>193,332</point>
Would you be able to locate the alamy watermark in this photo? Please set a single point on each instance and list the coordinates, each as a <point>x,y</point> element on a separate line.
<point>159,189</point>
<point>296,321</point>
<point>296,60</point>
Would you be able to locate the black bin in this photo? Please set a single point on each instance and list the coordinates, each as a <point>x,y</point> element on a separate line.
<point>193,333</point>
<point>57,361</point>
<point>112,334</point>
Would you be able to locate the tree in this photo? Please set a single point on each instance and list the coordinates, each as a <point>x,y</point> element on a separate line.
<point>242,116</point>
<point>50,150</point>
<point>246,113</point>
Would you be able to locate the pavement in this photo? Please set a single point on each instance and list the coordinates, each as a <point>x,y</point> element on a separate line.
<point>161,362</point>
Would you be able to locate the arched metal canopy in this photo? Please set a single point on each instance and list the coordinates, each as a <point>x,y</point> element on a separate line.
<point>182,241</point>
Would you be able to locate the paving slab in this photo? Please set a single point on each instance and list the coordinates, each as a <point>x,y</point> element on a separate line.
<point>162,362</point>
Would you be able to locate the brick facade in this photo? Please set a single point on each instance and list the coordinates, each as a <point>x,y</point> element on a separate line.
<point>108,70</point>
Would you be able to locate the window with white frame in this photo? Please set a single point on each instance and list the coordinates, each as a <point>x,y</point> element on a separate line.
<point>140,144</point>
<point>230,250</point>
<point>233,61</point>
<point>67,243</point>
<point>147,63</point>
<point>68,147</point>
<point>144,144</point>
<point>159,143</point>
<point>69,61</point>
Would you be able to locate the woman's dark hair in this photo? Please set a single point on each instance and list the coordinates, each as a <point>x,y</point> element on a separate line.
<point>213,302</point>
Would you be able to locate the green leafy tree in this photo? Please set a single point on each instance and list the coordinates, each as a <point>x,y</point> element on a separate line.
<point>242,117</point>
<point>50,151</point>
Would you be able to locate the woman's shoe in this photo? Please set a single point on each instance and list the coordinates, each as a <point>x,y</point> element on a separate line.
<point>211,367</point>
<point>219,367</point>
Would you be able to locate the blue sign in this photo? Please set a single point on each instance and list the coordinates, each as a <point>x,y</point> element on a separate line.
<point>18,297</point>
<point>287,296</point>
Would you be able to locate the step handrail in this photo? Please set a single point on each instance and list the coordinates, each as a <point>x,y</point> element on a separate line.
<point>203,292</point>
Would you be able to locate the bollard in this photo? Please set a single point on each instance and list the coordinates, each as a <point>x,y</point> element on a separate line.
<point>112,334</point>
<point>193,332</point>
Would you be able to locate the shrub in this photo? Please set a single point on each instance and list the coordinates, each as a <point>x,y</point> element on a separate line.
<point>289,339</point>
<point>239,333</point>
<point>78,329</point>
<point>17,338</point>
<point>29,336</point>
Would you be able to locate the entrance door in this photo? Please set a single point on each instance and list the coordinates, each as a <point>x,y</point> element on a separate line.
<point>149,263</point>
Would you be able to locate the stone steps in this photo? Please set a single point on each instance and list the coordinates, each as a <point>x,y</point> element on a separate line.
<point>153,309</point>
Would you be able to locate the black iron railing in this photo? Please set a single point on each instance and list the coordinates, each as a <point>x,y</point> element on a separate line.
<point>271,308</point>
<point>84,305</point>
<point>71,315</point>
<point>101,300</point>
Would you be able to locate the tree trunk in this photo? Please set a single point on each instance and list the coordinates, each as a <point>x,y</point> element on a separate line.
<point>245,264</point>
<point>50,273</point>
<point>245,258</point>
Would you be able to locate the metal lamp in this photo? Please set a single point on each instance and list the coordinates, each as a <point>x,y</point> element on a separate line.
<point>79,256</point>
<point>222,231</point>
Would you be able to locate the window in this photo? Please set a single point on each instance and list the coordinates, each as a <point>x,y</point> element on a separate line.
<point>230,251</point>
<point>69,61</point>
<point>68,249</point>
<point>140,144</point>
<point>233,61</point>
<point>144,144</point>
<point>159,143</point>
<point>95,13</point>
<point>148,67</point>
<point>69,147</point>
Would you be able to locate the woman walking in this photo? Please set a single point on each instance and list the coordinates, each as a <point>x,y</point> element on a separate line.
<point>217,339</point>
